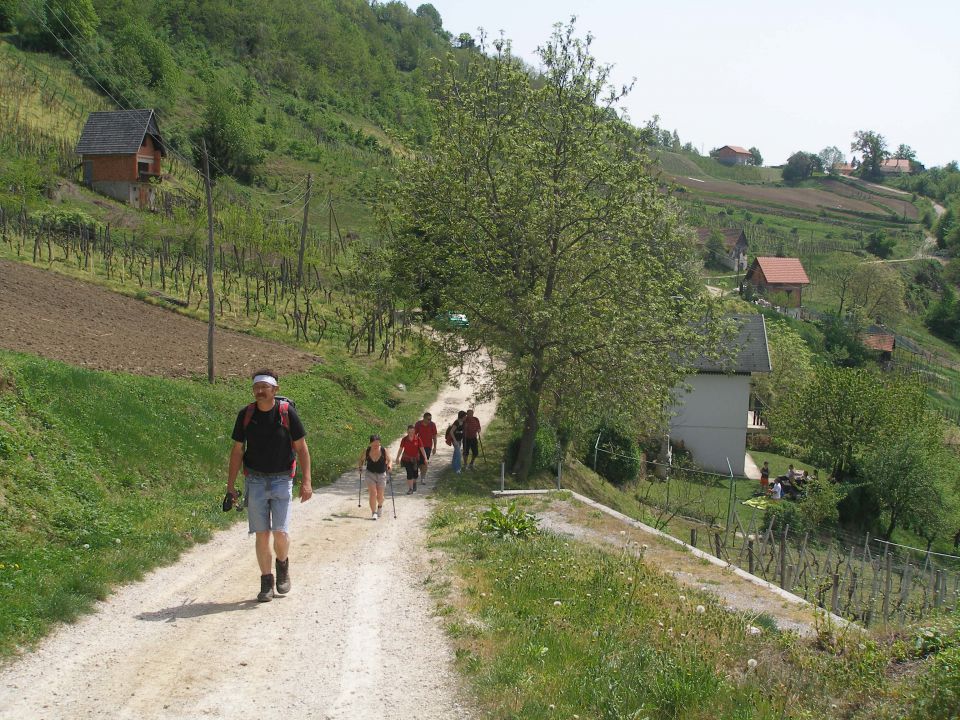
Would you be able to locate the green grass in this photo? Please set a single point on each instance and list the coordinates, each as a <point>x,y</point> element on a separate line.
<point>552,628</point>
<point>105,475</point>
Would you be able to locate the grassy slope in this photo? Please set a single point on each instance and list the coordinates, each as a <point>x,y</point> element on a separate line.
<point>103,475</point>
<point>550,627</point>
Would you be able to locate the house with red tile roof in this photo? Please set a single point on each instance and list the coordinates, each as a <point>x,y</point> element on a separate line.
<point>778,276</point>
<point>896,166</point>
<point>734,155</point>
<point>881,341</point>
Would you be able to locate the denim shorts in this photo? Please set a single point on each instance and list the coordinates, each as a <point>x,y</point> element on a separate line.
<point>268,501</point>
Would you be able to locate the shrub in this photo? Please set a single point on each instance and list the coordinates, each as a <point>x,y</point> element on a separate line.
<point>618,459</point>
<point>509,523</point>
<point>544,449</point>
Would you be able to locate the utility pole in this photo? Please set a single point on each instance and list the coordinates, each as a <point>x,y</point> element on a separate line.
<point>210,251</point>
<point>303,231</point>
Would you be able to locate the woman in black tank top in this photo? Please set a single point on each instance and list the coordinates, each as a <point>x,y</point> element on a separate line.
<point>375,464</point>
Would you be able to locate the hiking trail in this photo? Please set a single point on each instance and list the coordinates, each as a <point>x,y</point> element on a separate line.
<point>356,636</point>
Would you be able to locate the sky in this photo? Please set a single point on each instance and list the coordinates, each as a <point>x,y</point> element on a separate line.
<point>778,75</point>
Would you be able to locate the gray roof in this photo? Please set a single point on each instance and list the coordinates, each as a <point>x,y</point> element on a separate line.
<point>745,351</point>
<point>118,132</point>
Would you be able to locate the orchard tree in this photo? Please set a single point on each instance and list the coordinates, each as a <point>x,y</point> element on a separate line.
<point>905,152</point>
<point>873,151</point>
<point>532,211</point>
<point>830,159</point>
<point>800,166</point>
<point>791,363</point>
<point>757,157</point>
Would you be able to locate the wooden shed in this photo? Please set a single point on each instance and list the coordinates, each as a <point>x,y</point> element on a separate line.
<point>121,154</point>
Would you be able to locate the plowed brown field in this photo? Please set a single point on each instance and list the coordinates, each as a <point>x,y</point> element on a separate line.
<point>48,314</point>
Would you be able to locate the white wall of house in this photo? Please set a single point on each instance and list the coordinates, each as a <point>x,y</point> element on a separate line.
<point>710,417</point>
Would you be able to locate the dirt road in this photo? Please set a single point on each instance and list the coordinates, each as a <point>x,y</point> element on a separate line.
<point>355,638</point>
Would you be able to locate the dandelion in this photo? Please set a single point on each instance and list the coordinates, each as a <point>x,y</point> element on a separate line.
<point>552,706</point>
<point>117,540</point>
<point>701,609</point>
<point>644,547</point>
<point>557,602</point>
<point>683,598</point>
<point>754,630</point>
<point>623,532</point>
<point>656,595</point>
<point>86,546</point>
<point>752,664</point>
<point>659,623</point>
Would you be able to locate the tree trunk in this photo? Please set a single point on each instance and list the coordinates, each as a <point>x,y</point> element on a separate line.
<point>524,461</point>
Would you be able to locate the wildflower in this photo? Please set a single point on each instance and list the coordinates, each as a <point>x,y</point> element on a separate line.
<point>557,602</point>
<point>86,546</point>
<point>552,706</point>
<point>623,532</point>
<point>701,609</point>
<point>752,664</point>
<point>644,547</point>
<point>683,598</point>
<point>117,540</point>
<point>754,630</point>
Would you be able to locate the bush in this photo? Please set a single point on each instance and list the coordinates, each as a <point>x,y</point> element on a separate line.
<point>817,508</point>
<point>618,458</point>
<point>511,523</point>
<point>544,449</point>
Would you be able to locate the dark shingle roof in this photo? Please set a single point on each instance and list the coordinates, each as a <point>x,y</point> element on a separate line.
<point>746,351</point>
<point>118,132</point>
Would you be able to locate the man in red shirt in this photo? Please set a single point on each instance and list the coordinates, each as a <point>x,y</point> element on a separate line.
<point>409,455</point>
<point>426,430</point>
<point>471,437</point>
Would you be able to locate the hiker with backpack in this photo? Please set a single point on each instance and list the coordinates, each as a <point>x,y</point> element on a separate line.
<point>454,437</point>
<point>268,440</point>
<point>374,465</point>
<point>411,455</point>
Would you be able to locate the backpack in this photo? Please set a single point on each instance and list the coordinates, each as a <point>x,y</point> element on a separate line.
<point>448,436</point>
<point>284,406</point>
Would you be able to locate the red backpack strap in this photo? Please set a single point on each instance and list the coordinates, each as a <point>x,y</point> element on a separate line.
<point>248,414</point>
<point>285,421</point>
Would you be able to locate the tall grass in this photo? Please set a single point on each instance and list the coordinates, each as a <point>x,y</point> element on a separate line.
<point>104,476</point>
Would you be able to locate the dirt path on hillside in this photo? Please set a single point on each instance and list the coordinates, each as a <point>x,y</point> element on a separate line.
<point>57,317</point>
<point>355,638</point>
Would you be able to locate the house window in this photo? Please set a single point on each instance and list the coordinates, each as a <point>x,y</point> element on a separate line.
<point>143,167</point>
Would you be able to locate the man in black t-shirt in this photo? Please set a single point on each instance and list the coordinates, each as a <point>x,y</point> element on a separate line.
<point>268,440</point>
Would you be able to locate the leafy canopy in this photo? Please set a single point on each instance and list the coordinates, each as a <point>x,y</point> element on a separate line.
<point>533,211</point>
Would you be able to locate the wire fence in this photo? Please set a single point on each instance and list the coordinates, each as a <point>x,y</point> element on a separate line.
<point>865,579</point>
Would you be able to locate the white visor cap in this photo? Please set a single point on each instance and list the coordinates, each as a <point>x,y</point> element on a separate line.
<point>268,379</point>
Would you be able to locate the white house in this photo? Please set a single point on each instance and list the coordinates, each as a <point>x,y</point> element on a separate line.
<point>710,411</point>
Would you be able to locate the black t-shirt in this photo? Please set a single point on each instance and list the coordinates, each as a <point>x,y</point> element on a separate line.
<point>268,442</point>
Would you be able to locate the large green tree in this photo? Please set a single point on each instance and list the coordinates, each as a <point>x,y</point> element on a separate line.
<point>533,211</point>
<point>873,151</point>
<point>844,413</point>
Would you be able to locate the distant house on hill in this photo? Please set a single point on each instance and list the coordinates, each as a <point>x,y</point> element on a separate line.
<point>845,169</point>
<point>734,242</point>
<point>710,414</point>
<point>774,275</point>
<point>896,166</point>
<point>121,152</point>
<point>734,155</point>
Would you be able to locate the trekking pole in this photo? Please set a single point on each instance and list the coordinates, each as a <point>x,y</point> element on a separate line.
<point>393,498</point>
<point>482,453</point>
<point>359,487</point>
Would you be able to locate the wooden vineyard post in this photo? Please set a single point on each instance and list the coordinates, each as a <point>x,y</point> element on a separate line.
<point>750,558</point>
<point>210,251</point>
<point>303,231</point>
<point>887,585</point>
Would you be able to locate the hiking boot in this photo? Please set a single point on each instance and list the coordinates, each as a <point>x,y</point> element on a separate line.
<point>409,491</point>
<point>414,487</point>
<point>283,576</point>
<point>266,588</point>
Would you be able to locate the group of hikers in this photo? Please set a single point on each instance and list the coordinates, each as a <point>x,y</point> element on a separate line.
<point>269,441</point>
<point>789,485</point>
